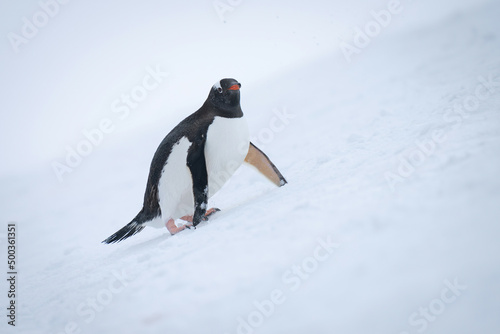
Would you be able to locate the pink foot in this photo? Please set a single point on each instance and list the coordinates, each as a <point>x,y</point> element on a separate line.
<point>207,214</point>
<point>173,229</point>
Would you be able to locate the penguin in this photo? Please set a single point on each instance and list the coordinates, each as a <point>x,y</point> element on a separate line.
<point>195,160</point>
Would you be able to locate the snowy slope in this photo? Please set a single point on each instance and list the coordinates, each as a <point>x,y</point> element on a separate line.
<point>389,223</point>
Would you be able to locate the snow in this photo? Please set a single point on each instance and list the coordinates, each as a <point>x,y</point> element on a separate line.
<point>389,220</point>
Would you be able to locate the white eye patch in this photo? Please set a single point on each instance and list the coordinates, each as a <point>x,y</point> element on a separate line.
<point>218,86</point>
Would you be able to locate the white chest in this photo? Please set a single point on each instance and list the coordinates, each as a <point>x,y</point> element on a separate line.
<point>225,149</point>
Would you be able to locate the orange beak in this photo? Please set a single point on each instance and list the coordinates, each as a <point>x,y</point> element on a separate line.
<point>234,87</point>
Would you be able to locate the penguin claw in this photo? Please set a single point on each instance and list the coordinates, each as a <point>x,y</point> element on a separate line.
<point>187,226</point>
<point>173,229</point>
<point>210,212</point>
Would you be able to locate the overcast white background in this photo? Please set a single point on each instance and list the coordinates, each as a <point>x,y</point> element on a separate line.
<point>65,78</point>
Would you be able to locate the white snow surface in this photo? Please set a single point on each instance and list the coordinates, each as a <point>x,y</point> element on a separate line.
<point>339,249</point>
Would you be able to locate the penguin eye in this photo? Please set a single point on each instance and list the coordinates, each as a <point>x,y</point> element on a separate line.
<point>219,89</point>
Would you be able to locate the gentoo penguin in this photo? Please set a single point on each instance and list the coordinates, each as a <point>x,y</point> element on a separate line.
<point>195,160</point>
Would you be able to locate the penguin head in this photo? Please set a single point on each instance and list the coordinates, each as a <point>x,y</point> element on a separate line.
<point>225,95</point>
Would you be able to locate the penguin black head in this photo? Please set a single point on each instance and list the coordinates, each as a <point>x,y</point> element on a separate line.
<point>225,95</point>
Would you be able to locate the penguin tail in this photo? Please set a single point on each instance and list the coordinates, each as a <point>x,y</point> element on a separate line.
<point>134,227</point>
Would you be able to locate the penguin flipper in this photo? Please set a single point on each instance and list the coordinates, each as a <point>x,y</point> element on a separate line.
<point>198,167</point>
<point>261,161</point>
